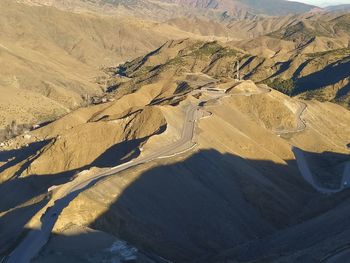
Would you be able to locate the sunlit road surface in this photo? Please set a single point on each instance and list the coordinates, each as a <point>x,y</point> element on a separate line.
<point>37,237</point>
<point>33,242</point>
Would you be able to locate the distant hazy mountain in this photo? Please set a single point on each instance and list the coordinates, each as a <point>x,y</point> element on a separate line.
<point>345,7</point>
<point>277,7</point>
<point>160,8</point>
<point>267,7</point>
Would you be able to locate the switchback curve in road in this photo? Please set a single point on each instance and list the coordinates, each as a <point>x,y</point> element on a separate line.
<point>301,126</point>
<point>311,179</point>
<point>33,242</point>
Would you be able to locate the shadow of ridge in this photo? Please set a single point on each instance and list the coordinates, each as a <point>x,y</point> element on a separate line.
<point>331,74</point>
<point>310,241</point>
<point>80,245</point>
<point>34,186</point>
<point>23,189</point>
<point>202,205</point>
<point>205,204</point>
<point>17,192</point>
<point>11,233</point>
<point>327,167</point>
<point>49,218</point>
<point>119,153</point>
<point>128,67</point>
<point>123,152</point>
<point>343,91</point>
<point>20,154</point>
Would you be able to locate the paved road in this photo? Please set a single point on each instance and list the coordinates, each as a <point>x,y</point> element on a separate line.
<point>37,238</point>
<point>300,123</point>
<point>31,245</point>
<point>308,176</point>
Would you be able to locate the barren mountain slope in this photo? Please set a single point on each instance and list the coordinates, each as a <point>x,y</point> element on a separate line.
<point>236,8</point>
<point>182,158</point>
<point>309,57</point>
<point>298,28</point>
<point>249,7</point>
<point>54,58</point>
<point>241,173</point>
<point>320,75</point>
<point>156,78</point>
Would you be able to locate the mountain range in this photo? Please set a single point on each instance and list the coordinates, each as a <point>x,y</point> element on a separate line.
<point>174,131</point>
<point>175,7</point>
<point>344,7</point>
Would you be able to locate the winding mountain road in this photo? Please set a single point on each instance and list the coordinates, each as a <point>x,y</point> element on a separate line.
<point>37,237</point>
<point>300,123</point>
<point>33,242</point>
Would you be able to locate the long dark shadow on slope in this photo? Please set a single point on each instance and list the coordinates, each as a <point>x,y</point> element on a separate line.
<point>300,69</point>
<point>211,202</point>
<point>122,152</point>
<point>12,224</point>
<point>208,203</point>
<point>125,70</point>
<point>13,157</point>
<point>90,246</point>
<point>202,205</point>
<point>343,91</point>
<point>331,74</point>
<point>309,241</point>
<point>20,190</point>
<point>327,168</point>
<point>36,184</point>
<point>119,153</point>
<point>210,184</point>
<point>283,66</point>
<point>21,199</point>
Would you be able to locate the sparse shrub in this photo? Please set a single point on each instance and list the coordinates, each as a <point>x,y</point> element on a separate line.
<point>285,86</point>
<point>176,61</point>
<point>313,94</point>
<point>207,49</point>
<point>342,52</point>
<point>13,130</point>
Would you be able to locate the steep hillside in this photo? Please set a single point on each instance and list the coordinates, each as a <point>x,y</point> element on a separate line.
<point>238,166</point>
<point>55,57</point>
<point>209,164</point>
<point>174,131</point>
<point>65,80</point>
<point>306,30</point>
<point>281,64</point>
<point>62,68</point>
<point>265,7</point>
<point>235,8</point>
<point>307,26</point>
<point>277,7</point>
